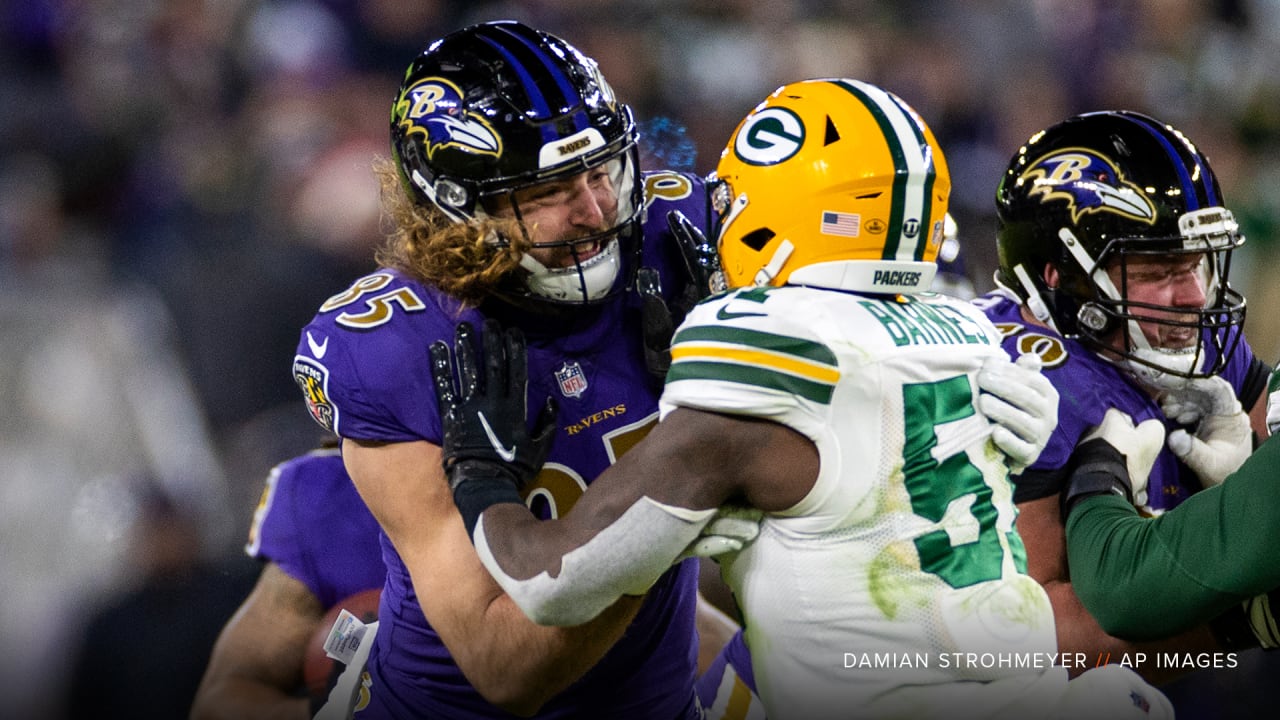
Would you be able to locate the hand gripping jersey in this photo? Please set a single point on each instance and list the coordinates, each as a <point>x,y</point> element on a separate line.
<point>363,366</point>
<point>898,585</point>
<point>312,523</point>
<point>1087,386</point>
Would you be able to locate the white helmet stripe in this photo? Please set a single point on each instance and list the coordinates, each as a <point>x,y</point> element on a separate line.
<point>910,224</point>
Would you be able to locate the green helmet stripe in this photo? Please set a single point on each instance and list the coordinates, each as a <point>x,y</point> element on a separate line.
<point>913,167</point>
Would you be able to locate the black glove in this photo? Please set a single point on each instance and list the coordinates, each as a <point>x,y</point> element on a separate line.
<point>701,258</point>
<point>656,324</point>
<point>658,317</point>
<point>489,453</point>
<point>1253,623</point>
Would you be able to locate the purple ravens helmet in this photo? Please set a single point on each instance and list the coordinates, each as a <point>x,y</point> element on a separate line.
<point>1098,191</point>
<point>498,107</point>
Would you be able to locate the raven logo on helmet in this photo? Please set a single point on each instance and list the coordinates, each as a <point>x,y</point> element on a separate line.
<point>490,113</point>
<point>433,108</point>
<point>1088,196</point>
<point>1088,183</point>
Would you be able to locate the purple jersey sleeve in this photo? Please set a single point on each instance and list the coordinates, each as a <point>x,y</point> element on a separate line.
<point>312,523</point>
<point>362,362</point>
<point>1088,386</point>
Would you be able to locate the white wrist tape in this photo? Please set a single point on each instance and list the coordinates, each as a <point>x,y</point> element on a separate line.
<point>625,558</point>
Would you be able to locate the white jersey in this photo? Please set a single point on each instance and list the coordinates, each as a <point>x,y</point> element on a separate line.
<point>898,584</point>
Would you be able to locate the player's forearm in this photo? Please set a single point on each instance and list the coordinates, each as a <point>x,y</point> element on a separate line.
<point>556,581</point>
<point>1199,558</point>
<point>238,698</point>
<point>1120,562</point>
<point>512,662</point>
<point>257,663</point>
<point>519,666</point>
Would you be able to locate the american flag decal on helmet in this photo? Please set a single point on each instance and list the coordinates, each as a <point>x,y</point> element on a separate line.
<point>838,223</point>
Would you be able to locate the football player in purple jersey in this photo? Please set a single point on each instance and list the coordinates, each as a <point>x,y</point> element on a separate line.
<point>319,545</point>
<point>1114,250</point>
<point>827,390</point>
<point>515,194</point>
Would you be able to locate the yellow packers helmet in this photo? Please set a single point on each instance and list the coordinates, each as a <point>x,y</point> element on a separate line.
<point>824,172</point>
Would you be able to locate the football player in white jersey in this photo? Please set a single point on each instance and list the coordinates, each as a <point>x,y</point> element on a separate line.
<point>830,390</point>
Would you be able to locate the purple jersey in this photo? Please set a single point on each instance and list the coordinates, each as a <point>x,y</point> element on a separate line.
<point>1088,386</point>
<point>727,690</point>
<point>312,523</point>
<point>363,366</point>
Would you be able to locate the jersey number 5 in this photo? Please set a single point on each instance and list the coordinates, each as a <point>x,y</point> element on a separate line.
<point>952,486</point>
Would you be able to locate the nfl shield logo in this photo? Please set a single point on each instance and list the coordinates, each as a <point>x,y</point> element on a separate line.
<point>572,382</point>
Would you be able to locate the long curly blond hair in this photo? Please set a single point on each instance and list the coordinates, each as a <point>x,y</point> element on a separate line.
<point>454,257</point>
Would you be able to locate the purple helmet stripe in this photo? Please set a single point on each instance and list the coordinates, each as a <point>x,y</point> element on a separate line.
<point>545,106</point>
<point>1195,200</point>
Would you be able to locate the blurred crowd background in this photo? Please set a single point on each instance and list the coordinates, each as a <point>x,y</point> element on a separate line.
<point>183,182</point>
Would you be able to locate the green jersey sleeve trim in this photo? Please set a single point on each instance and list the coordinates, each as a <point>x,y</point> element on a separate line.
<point>781,363</point>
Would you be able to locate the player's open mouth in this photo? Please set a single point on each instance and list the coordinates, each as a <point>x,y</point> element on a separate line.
<point>1178,340</point>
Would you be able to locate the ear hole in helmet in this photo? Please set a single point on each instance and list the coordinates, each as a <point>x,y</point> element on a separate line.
<point>757,239</point>
<point>831,135</point>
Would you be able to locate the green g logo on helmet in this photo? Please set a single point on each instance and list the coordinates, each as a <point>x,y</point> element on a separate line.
<point>769,137</point>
